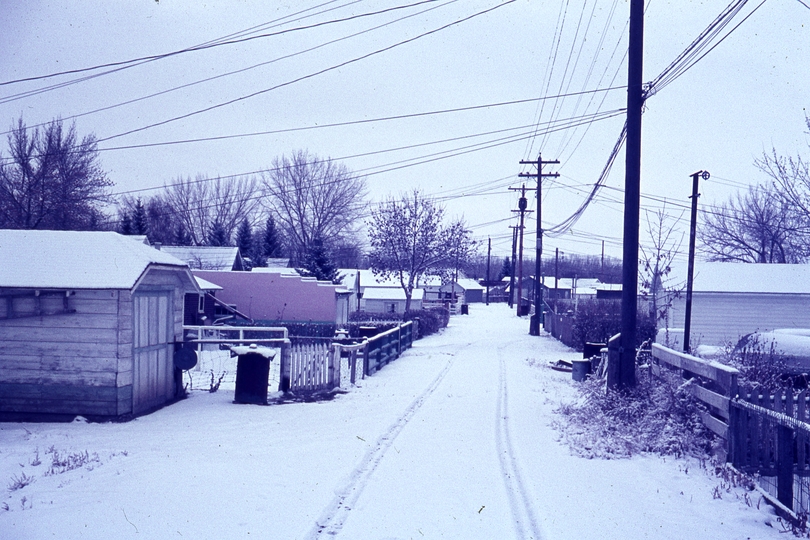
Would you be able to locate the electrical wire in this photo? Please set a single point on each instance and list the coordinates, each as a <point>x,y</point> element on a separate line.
<point>123,64</point>
<point>241,70</point>
<point>309,76</point>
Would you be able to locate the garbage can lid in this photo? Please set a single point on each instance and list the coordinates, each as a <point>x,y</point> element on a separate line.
<point>267,352</point>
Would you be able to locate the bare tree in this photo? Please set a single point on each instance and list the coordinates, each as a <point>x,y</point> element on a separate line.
<point>791,174</point>
<point>51,179</point>
<point>201,203</point>
<point>312,198</point>
<point>657,258</point>
<point>759,226</point>
<point>409,240</point>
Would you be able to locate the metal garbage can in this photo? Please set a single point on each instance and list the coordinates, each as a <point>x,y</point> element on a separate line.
<point>367,331</point>
<point>580,369</point>
<point>465,309</point>
<point>252,373</point>
<point>592,349</point>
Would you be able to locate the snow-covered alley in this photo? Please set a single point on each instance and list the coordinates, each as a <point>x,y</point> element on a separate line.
<point>453,440</point>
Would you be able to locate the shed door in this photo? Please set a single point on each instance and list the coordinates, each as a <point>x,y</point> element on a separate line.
<point>153,376</point>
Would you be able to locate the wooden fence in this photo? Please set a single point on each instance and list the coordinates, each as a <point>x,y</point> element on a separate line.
<point>313,368</point>
<point>770,437</point>
<point>767,434</point>
<point>317,367</point>
<point>714,384</point>
<point>387,347</point>
<point>561,327</point>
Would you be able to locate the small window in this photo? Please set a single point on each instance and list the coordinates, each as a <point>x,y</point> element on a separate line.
<point>201,304</point>
<point>393,308</point>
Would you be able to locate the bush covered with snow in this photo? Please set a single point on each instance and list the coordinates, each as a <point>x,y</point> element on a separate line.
<point>760,363</point>
<point>430,320</point>
<point>595,321</point>
<point>657,416</point>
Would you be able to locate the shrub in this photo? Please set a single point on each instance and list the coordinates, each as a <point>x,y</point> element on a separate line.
<point>430,320</point>
<point>19,482</point>
<point>596,321</point>
<point>760,364</point>
<point>656,416</point>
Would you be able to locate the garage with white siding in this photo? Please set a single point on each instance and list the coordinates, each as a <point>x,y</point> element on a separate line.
<point>88,324</point>
<point>731,300</point>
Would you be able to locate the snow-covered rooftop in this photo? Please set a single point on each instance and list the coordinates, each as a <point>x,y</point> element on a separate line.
<point>205,285</point>
<point>75,259</point>
<point>206,257</point>
<point>470,284</point>
<point>390,293</point>
<point>751,278</point>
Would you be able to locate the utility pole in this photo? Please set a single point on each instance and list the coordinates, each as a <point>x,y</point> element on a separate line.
<point>622,373</point>
<point>602,273</point>
<point>522,205</point>
<point>687,325</point>
<point>537,318</point>
<point>489,258</point>
<point>512,269</point>
<point>556,272</point>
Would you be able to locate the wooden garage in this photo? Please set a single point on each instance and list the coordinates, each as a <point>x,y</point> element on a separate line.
<point>88,324</point>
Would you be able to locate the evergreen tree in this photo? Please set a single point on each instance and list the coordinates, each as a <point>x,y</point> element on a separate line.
<point>318,264</point>
<point>181,236</point>
<point>217,236</point>
<point>271,246</point>
<point>244,239</point>
<point>506,269</point>
<point>126,223</point>
<point>140,224</point>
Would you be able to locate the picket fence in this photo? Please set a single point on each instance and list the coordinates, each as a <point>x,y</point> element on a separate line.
<point>321,367</point>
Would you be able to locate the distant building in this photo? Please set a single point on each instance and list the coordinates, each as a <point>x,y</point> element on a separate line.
<point>390,300</point>
<point>731,300</point>
<point>208,257</point>
<point>280,296</point>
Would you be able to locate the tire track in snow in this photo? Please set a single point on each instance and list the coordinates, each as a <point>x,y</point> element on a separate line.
<point>334,516</point>
<point>523,517</point>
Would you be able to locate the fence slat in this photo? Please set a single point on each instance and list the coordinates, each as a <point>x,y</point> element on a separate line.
<point>711,398</point>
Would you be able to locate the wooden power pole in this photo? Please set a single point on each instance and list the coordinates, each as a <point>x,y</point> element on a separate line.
<point>537,318</point>
<point>687,324</point>
<point>522,208</point>
<point>622,366</point>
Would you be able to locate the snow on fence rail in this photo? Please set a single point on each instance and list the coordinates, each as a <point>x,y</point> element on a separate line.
<point>770,437</point>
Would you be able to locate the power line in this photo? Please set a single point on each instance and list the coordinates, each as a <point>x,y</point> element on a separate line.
<point>226,74</point>
<point>213,44</point>
<point>309,76</point>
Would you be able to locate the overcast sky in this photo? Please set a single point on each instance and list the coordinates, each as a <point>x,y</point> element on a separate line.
<point>344,64</point>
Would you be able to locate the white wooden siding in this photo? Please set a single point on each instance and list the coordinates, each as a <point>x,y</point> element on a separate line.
<point>718,318</point>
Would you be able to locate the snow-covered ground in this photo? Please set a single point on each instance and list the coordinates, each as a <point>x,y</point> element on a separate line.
<point>453,440</point>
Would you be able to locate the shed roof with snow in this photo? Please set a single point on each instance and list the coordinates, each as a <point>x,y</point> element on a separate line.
<point>76,260</point>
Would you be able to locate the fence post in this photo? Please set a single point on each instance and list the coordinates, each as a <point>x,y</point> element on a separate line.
<point>285,367</point>
<point>365,360</point>
<point>784,466</point>
<point>334,358</point>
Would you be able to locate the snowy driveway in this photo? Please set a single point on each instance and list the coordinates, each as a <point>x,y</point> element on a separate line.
<point>450,441</point>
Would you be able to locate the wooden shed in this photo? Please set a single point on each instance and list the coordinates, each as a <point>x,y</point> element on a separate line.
<point>88,324</point>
